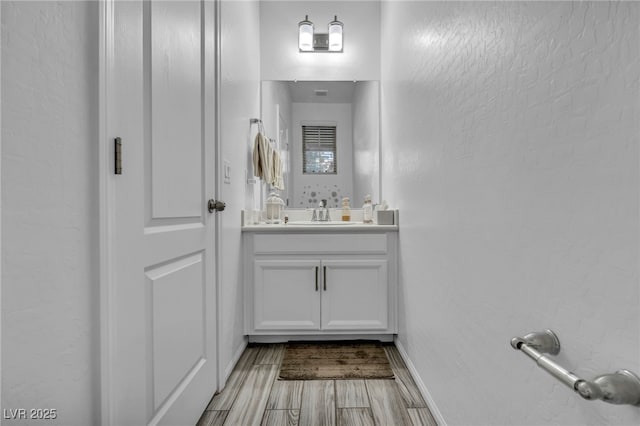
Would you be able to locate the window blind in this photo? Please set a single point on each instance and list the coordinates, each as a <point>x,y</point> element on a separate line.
<point>319,150</point>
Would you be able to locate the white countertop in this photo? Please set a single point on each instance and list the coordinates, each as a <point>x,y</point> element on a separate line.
<point>321,227</point>
<point>299,223</point>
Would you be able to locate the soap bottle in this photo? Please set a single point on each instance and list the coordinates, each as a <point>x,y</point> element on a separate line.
<point>367,210</point>
<point>346,210</point>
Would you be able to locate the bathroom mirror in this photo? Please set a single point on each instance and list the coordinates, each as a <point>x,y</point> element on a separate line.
<point>344,112</point>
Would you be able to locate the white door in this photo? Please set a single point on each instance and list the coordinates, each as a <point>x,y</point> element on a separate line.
<point>161,318</point>
<point>355,294</point>
<point>286,295</point>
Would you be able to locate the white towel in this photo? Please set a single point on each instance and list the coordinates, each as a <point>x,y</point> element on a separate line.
<point>278,179</point>
<point>274,168</point>
<point>262,158</point>
<point>267,160</point>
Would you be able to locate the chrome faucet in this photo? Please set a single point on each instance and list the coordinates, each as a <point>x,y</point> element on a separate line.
<point>325,210</point>
<point>321,214</point>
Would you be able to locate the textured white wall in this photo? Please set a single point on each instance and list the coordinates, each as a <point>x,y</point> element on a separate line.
<point>240,100</point>
<point>510,144</point>
<point>281,59</point>
<point>324,186</point>
<point>50,215</point>
<point>366,141</point>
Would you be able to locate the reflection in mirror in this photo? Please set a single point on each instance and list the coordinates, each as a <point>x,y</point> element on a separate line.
<point>351,165</point>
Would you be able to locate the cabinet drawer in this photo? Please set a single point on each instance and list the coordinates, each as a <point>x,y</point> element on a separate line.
<point>320,243</point>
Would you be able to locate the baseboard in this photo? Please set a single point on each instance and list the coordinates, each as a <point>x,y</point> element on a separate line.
<point>437,415</point>
<point>234,360</point>
<point>256,338</point>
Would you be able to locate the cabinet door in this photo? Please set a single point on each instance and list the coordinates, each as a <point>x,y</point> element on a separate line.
<point>355,295</point>
<point>286,295</point>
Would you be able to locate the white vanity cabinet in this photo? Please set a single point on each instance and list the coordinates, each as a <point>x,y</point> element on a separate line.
<point>355,294</point>
<point>320,283</point>
<point>286,295</point>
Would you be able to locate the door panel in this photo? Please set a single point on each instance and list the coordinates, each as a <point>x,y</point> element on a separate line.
<point>175,107</point>
<point>176,292</point>
<point>285,295</point>
<point>163,344</point>
<point>356,295</point>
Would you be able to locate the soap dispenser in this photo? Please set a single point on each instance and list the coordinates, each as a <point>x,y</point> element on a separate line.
<point>346,210</point>
<point>367,210</point>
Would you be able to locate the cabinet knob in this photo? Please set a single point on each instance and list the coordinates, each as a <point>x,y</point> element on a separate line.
<point>215,205</point>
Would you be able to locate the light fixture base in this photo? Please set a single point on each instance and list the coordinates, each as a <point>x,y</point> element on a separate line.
<point>321,44</point>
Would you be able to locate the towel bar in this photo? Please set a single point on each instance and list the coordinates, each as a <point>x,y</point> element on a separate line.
<point>621,387</point>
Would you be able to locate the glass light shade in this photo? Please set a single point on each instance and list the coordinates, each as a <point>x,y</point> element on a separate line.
<point>335,35</point>
<point>305,35</point>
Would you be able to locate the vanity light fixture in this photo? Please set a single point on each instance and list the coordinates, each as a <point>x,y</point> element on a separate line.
<point>305,35</point>
<point>335,35</point>
<point>309,41</point>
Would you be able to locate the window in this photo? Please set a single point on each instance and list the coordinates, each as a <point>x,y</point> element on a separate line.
<point>319,150</point>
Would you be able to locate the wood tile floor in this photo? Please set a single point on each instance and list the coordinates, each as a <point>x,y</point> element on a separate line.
<point>254,396</point>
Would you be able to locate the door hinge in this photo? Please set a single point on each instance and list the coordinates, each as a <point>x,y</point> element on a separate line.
<point>118,156</point>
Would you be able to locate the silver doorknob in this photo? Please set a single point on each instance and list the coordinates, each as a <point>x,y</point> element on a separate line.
<point>216,205</point>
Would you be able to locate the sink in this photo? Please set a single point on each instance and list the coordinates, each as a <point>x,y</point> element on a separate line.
<point>310,223</point>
